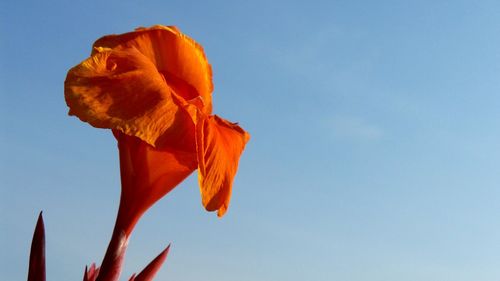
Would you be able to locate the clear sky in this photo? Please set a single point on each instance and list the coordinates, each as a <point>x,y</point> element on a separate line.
<point>375,150</point>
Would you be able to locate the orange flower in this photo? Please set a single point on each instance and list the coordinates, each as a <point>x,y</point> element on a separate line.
<point>153,88</point>
<point>155,84</point>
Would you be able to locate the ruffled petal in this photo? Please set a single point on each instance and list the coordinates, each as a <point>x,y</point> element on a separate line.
<point>179,58</point>
<point>219,144</point>
<point>122,89</point>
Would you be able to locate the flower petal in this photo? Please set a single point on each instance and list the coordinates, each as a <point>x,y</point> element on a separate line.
<point>121,89</point>
<point>219,144</point>
<point>179,58</point>
<point>147,174</point>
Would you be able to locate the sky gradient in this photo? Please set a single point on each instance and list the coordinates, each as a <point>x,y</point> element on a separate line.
<point>374,153</point>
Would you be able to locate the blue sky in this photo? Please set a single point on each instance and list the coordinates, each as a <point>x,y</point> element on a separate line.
<point>374,153</point>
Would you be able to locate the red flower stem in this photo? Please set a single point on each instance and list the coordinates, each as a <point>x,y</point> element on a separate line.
<point>129,213</point>
<point>112,263</point>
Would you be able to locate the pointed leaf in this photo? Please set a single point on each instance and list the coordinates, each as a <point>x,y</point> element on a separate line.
<point>150,271</point>
<point>91,273</point>
<point>36,270</point>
